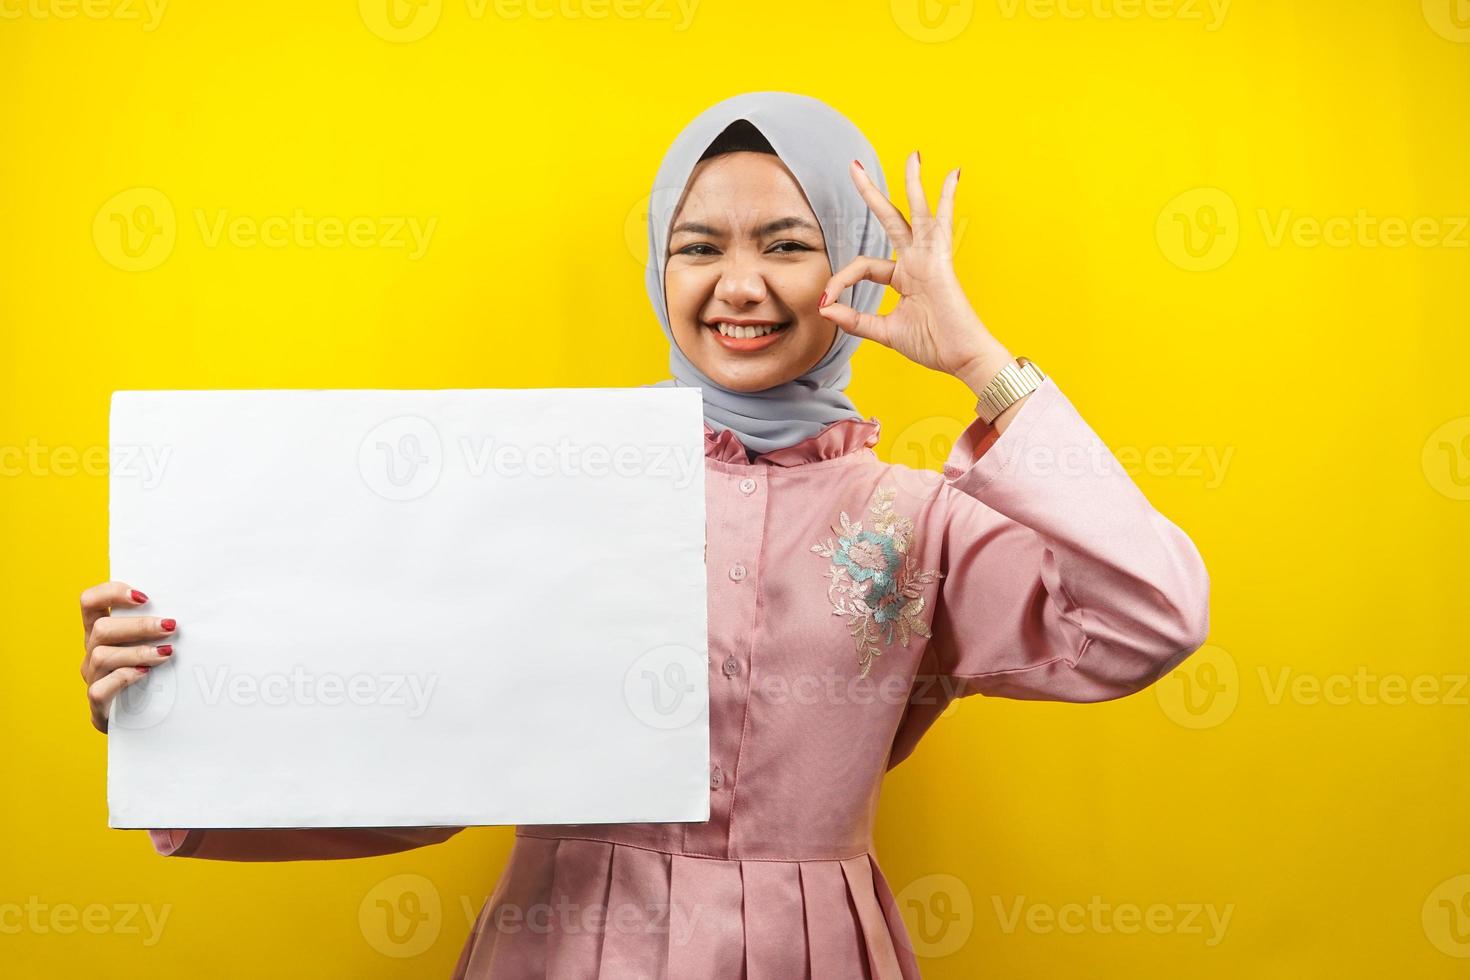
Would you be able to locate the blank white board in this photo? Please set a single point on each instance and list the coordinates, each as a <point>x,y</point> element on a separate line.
<point>413,608</point>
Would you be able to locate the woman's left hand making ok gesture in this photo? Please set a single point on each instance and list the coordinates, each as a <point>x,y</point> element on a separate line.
<point>933,323</point>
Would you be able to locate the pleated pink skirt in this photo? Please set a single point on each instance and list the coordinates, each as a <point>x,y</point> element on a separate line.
<point>573,908</point>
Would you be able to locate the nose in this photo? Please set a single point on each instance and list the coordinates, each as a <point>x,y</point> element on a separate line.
<point>741,283</point>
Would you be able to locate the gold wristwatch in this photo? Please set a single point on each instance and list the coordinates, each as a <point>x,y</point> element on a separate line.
<point>1012,383</point>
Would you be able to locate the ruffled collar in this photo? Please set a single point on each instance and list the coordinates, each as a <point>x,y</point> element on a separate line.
<point>838,439</point>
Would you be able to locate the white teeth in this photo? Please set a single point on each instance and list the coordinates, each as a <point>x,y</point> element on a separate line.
<point>744,333</point>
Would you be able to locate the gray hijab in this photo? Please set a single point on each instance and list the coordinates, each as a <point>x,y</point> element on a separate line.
<point>816,143</point>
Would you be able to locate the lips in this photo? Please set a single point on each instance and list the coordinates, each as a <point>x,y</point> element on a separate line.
<point>749,336</point>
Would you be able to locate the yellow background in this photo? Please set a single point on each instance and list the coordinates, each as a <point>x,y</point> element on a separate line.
<point>1326,379</point>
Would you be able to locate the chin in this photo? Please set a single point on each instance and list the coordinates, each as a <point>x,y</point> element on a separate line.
<point>746,381</point>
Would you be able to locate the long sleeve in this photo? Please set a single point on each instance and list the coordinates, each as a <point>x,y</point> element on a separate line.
<point>1061,581</point>
<point>295,845</point>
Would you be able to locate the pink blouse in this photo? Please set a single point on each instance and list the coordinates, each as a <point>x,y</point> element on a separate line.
<point>850,601</point>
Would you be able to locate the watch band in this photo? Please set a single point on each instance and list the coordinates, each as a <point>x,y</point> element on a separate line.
<point>1010,384</point>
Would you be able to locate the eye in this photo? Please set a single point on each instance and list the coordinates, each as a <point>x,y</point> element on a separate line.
<point>694,249</point>
<point>793,247</point>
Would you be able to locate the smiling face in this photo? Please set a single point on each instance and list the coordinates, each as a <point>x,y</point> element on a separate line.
<point>747,265</point>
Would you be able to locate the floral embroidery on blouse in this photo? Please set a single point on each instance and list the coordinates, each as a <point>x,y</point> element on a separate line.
<point>874,581</point>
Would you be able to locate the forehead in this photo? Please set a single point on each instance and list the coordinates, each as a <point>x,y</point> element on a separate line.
<point>742,188</point>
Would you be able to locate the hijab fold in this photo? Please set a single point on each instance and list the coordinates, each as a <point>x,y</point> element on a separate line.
<point>816,143</point>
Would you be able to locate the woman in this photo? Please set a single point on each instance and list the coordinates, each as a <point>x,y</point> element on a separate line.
<point>850,600</point>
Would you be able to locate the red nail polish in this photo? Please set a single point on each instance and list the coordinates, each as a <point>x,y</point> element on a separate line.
<point>138,596</point>
<point>918,156</point>
<point>823,301</point>
<point>167,650</point>
<point>167,625</point>
<point>143,670</point>
<point>860,165</point>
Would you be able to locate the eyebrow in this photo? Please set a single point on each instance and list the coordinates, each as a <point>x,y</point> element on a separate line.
<point>769,228</point>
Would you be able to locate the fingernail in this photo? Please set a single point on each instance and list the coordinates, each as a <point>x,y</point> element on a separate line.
<point>143,670</point>
<point>957,176</point>
<point>167,625</point>
<point>918,156</point>
<point>823,301</point>
<point>138,596</point>
<point>167,650</point>
<point>860,165</point>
